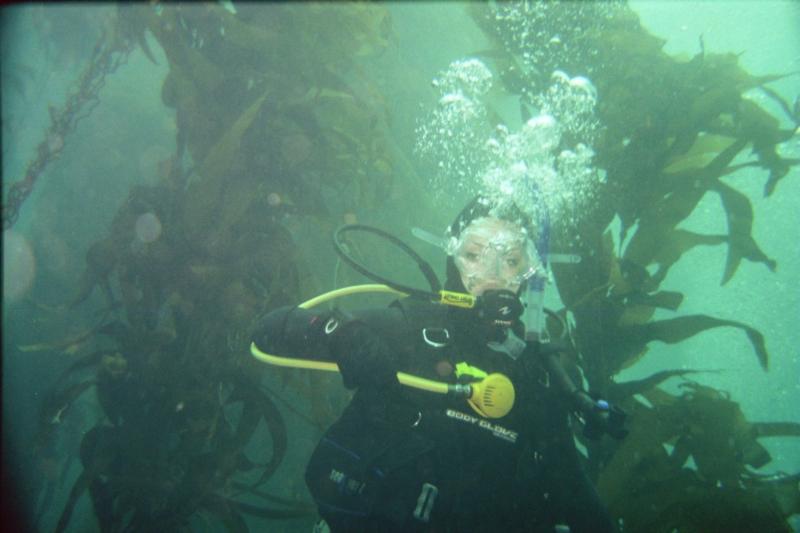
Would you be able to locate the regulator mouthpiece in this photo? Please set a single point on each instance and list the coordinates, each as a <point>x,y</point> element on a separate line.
<point>492,397</point>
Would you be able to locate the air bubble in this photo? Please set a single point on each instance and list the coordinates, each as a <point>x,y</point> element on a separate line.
<point>545,166</point>
<point>19,266</point>
<point>148,228</point>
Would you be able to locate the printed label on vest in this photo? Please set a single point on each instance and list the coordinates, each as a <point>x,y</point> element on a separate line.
<point>496,429</point>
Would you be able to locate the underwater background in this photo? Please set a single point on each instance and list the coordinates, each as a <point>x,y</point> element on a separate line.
<point>184,166</point>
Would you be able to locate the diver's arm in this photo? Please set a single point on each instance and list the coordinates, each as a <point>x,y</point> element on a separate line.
<point>353,343</point>
<point>583,509</point>
<point>598,415</point>
<point>574,495</point>
<point>293,332</point>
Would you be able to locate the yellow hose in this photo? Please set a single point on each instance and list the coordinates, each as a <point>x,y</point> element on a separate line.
<point>473,392</point>
<point>346,291</point>
<point>405,379</point>
<point>291,362</point>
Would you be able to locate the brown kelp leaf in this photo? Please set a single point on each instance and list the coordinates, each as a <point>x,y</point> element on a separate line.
<point>97,453</point>
<point>276,514</point>
<point>710,509</point>
<point>70,344</point>
<point>87,361</point>
<point>369,25</point>
<point>717,435</point>
<point>778,167</point>
<point>759,126</point>
<point>657,224</point>
<point>618,392</point>
<point>707,106</point>
<point>740,224</point>
<point>266,496</point>
<point>63,345</point>
<point>787,109</point>
<point>627,277</point>
<point>648,483</point>
<point>226,510</point>
<point>678,329</point>
<point>57,403</point>
<point>277,430</point>
<point>641,460</point>
<point>764,131</point>
<point>705,148</point>
<point>248,422</point>
<point>54,408</point>
<point>777,429</point>
<point>244,35</point>
<point>203,196</point>
<point>258,405</point>
<point>77,490</point>
<point>785,489</point>
<point>663,299</point>
<point>132,25</point>
<point>180,54</point>
<point>675,244</point>
<point>102,503</point>
<point>634,314</point>
<point>101,259</point>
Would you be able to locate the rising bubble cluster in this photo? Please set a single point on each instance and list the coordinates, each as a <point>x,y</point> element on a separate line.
<point>571,101</point>
<point>549,36</point>
<point>543,167</point>
<point>468,77</point>
<point>458,126</point>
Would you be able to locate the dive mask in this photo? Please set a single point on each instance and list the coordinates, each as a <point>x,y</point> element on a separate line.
<point>493,253</point>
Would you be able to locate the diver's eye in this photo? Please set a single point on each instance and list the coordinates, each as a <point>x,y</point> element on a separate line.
<point>471,256</point>
<point>513,262</point>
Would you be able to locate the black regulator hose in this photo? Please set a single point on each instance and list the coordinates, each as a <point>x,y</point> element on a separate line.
<point>599,416</point>
<point>423,265</point>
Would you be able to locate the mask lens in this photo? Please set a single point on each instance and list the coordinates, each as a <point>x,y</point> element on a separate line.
<point>494,253</point>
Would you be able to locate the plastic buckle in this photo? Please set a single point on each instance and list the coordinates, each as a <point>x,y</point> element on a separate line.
<point>425,502</point>
<point>436,337</point>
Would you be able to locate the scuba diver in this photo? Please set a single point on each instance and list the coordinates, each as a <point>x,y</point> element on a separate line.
<point>404,459</point>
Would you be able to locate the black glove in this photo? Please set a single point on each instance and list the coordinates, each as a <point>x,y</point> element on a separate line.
<point>296,332</point>
<point>269,334</point>
<point>599,416</point>
<point>362,355</point>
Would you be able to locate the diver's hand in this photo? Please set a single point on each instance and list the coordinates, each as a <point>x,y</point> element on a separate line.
<point>599,416</point>
<point>270,333</point>
<point>362,355</point>
<point>296,332</point>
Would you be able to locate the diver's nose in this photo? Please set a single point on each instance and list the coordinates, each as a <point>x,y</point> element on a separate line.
<point>495,263</point>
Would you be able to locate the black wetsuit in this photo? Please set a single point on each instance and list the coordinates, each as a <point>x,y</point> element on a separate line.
<point>401,459</point>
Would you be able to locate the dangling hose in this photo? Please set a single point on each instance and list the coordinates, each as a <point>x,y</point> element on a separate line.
<point>492,397</point>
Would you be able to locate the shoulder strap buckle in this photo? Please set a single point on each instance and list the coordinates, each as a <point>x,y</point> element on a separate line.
<point>436,337</point>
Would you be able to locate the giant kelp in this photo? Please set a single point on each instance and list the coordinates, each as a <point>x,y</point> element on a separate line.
<point>269,126</point>
<point>672,130</point>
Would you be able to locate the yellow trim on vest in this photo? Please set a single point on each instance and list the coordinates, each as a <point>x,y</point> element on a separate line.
<point>465,369</point>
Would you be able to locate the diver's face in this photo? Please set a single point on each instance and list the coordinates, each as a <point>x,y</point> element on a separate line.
<point>492,254</point>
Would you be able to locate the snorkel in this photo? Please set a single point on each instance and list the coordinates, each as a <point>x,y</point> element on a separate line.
<point>532,294</point>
